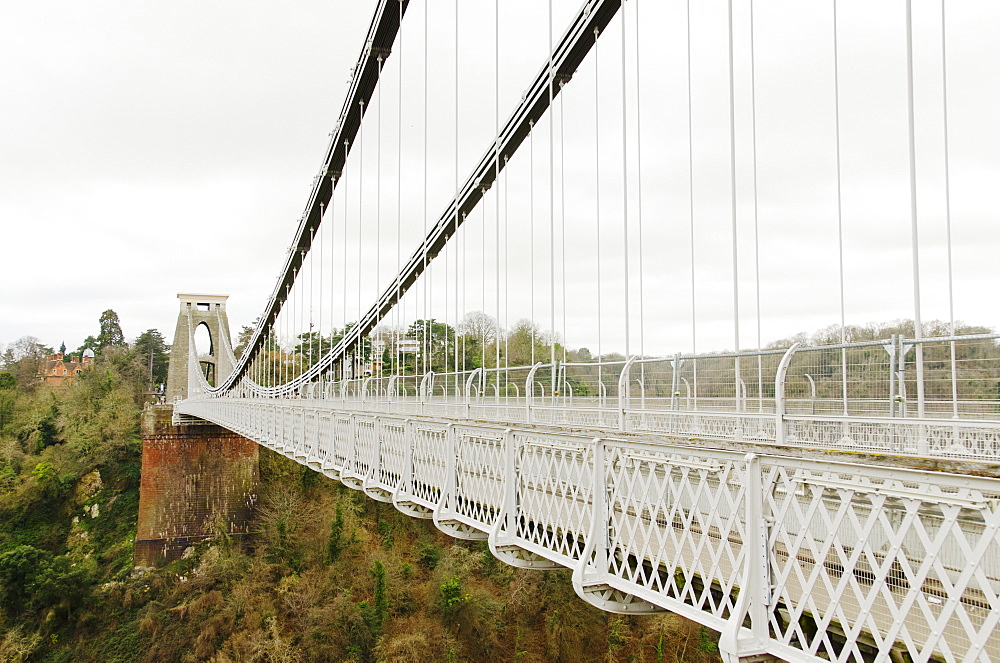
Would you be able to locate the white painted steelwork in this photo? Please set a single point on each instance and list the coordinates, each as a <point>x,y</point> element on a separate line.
<point>802,559</point>
<point>925,438</point>
<point>576,464</point>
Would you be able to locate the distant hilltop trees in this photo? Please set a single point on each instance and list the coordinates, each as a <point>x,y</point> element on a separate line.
<point>28,361</point>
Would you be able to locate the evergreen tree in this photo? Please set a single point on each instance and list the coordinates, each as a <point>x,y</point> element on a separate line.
<point>154,354</point>
<point>111,330</point>
<point>243,338</point>
<point>8,383</point>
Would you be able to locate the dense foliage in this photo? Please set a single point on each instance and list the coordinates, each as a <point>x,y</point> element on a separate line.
<point>329,575</point>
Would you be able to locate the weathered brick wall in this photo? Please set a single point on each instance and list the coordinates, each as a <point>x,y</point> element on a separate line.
<point>194,480</point>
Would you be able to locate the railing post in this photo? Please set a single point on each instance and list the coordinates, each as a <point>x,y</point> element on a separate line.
<point>675,386</point>
<point>529,391</point>
<point>600,509</point>
<point>506,521</point>
<point>426,386</point>
<point>592,567</point>
<point>755,588</point>
<point>350,461</point>
<point>447,497</point>
<point>468,391</point>
<point>624,389</point>
<point>779,394</point>
<point>375,469</point>
<point>406,474</point>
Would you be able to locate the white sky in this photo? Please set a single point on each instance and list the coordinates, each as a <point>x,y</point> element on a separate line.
<point>150,149</point>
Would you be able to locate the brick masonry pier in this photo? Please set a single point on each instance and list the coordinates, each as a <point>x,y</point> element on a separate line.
<point>195,479</point>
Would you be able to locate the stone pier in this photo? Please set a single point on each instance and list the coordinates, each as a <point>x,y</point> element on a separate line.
<point>197,481</point>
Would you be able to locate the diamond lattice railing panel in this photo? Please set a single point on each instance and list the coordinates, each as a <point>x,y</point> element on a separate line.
<point>287,438</point>
<point>479,474</point>
<point>676,523</point>
<point>554,492</point>
<point>494,412</point>
<point>430,462</point>
<point>309,436</point>
<point>406,407</point>
<point>393,442</point>
<point>867,559</point>
<point>294,434</point>
<point>343,442</point>
<point>325,438</point>
<point>962,441</point>
<point>705,424</point>
<point>955,439</point>
<point>562,416</point>
<point>439,410</point>
<point>267,423</point>
<point>366,454</point>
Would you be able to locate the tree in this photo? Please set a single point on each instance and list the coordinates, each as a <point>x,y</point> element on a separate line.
<point>480,326</point>
<point>7,381</point>
<point>17,573</point>
<point>111,330</point>
<point>89,343</point>
<point>7,385</point>
<point>26,359</point>
<point>243,339</point>
<point>244,336</point>
<point>439,338</point>
<point>519,342</point>
<point>33,578</point>
<point>28,347</point>
<point>338,542</point>
<point>312,347</point>
<point>380,602</point>
<point>154,353</point>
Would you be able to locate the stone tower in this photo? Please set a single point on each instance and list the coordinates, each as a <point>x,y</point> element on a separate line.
<point>199,480</point>
<point>197,310</point>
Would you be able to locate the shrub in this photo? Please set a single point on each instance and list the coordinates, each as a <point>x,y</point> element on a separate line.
<point>452,597</point>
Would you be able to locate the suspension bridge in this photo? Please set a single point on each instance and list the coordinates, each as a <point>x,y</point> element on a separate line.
<point>495,310</point>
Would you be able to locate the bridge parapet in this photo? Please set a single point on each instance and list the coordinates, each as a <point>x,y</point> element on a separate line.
<point>806,559</point>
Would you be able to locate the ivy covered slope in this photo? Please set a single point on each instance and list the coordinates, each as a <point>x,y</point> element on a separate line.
<point>329,576</point>
<point>69,488</point>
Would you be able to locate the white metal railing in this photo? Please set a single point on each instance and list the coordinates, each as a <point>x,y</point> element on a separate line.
<point>652,395</point>
<point>806,560</point>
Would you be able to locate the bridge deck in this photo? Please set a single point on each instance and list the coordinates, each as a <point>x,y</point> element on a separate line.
<point>858,553</point>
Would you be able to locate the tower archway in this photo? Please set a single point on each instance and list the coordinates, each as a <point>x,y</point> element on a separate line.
<point>202,317</point>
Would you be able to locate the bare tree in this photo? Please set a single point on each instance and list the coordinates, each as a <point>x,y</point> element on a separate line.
<point>479,325</point>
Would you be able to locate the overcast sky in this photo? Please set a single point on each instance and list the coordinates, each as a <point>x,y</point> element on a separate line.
<point>150,149</point>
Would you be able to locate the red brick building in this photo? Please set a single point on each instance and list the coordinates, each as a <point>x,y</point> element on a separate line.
<point>61,370</point>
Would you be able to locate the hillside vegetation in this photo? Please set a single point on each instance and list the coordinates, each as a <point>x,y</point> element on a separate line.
<point>329,576</point>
